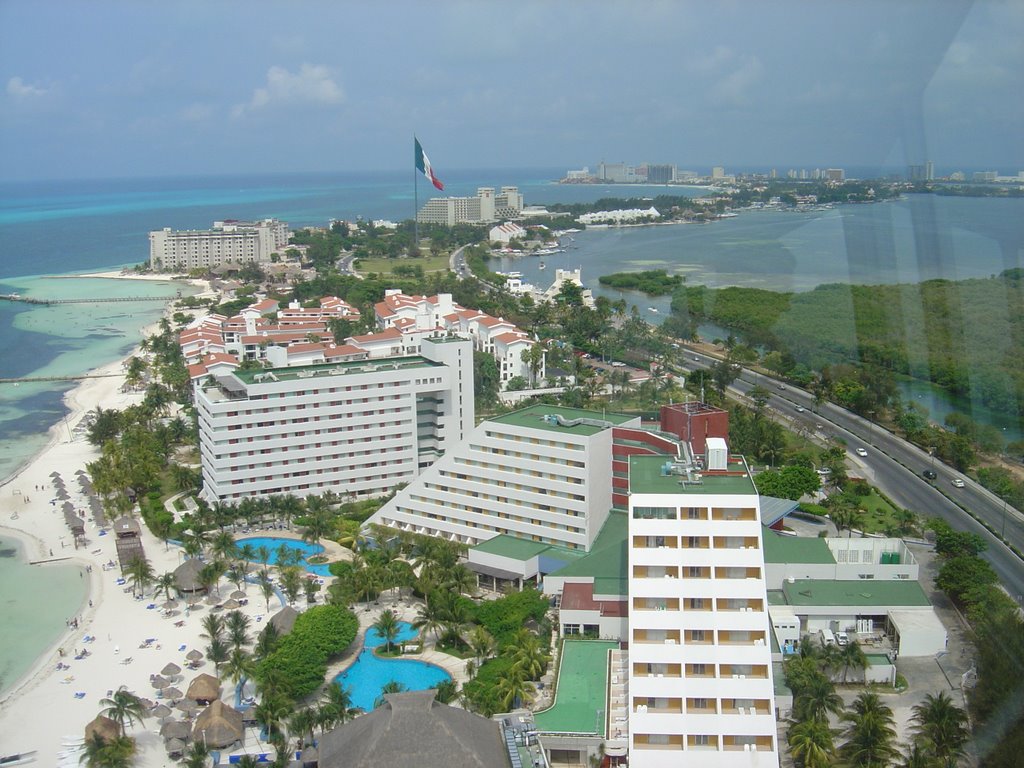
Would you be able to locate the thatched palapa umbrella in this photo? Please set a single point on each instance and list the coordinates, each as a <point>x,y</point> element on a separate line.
<point>160,711</point>
<point>218,726</point>
<point>238,595</point>
<point>171,670</point>
<point>158,682</point>
<point>175,729</point>
<point>170,605</point>
<point>194,655</point>
<point>103,727</point>
<point>284,620</point>
<point>172,693</point>
<point>186,576</point>
<point>231,605</point>
<point>204,689</point>
<point>175,747</point>
<point>188,707</point>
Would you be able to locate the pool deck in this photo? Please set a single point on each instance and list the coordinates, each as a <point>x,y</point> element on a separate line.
<point>581,693</point>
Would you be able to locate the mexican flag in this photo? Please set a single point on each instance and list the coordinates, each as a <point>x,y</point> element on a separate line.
<point>423,165</point>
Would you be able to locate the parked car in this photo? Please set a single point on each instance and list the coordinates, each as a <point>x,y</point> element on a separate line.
<point>958,483</point>
<point>929,474</point>
<point>842,638</point>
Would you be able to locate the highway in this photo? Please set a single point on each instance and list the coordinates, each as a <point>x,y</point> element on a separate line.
<point>895,466</point>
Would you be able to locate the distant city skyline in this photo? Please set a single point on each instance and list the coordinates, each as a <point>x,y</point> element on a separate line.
<point>112,89</point>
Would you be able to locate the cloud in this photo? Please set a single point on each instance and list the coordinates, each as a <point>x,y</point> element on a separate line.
<point>312,84</point>
<point>196,112</point>
<point>19,89</point>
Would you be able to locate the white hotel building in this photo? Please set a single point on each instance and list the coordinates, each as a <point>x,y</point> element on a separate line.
<point>357,428</point>
<point>235,242</point>
<point>700,681</point>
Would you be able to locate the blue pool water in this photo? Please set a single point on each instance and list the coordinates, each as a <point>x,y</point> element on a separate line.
<point>273,543</point>
<point>368,675</point>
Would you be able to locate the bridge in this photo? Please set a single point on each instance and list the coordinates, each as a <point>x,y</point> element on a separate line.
<point>28,300</point>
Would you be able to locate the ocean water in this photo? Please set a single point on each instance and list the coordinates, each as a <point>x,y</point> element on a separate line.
<point>35,604</point>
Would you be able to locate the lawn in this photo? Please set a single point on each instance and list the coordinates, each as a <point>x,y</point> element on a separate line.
<point>880,516</point>
<point>384,266</point>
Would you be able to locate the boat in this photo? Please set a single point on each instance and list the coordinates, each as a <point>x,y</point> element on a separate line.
<point>541,265</point>
<point>19,758</point>
<point>652,309</point>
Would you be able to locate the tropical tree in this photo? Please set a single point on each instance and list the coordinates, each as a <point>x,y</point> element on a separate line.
<point>139,574</point>
<point>301,724</point>
<point>811,744</point>
<point>447,691</point>
<point>852,655</point>
<point>217,651</point>
<point>336,706</point>
<point>817,701</point>
<point>387,627</point>
<point>238,629</point>
<point>513,689</point>
<point>223,546</point>
<point>392,686</point>
<point>870,735</point>
<point>940,727</point>
<point>266,641</point>
<point>291,582</point>
<point>239,666</point>
<point>527,654</point>
<point>213,626</point>
<point>266,587</point>
<point>164,583</point>
<point>209,575</point>
<point>271,712</point>
<point>114,753</point>
<point>482,643</point>
<point>124,708</point>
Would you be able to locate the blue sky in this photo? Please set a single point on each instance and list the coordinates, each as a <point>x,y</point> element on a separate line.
<point>106,89</point>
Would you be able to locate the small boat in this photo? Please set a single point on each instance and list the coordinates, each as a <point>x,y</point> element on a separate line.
<point>541,266</point>
<point>652,309</point>
<point>19,758</point>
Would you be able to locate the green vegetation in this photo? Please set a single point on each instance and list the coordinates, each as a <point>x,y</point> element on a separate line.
<point>653,282</point>
<point>405,267</point>
<point>301,656</point>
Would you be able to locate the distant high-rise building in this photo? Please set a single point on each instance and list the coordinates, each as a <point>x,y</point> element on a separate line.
<point>484,208</point>
<point>661,174</point>
<point>835,174</point>
<point>984,175</point>
<point>718,172</point>
<point>616,173</point>
<point>227,242</point>
<point>929,170</point>
<point>924,172</point>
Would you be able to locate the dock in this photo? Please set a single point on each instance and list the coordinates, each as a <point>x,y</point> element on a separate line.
<point>27,300</point>
<point>79,377</point>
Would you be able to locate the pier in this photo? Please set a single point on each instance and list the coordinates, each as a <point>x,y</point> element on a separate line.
<point>27,300</point>
<point>78,377</point>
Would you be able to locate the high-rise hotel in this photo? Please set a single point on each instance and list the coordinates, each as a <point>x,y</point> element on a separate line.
<point>700,680</point>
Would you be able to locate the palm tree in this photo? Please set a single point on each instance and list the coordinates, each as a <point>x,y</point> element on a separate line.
<point>239,666</point>
<point>319,525</point>
<point>123,707</point>
<point>390,687</point>
<point>291,582</point>
<point>271,711</point>
<point>197,755</point>
<point>482,643</point>
<point>336,706</point>
<point>461,580</point>
<point>940,727</point>
<point>301,724</point>
<point>223,546</point>
<point>164,583</point>
<point>213,626</point>
<point>217,652</point>
<point>811,745</point>
<point>870,736</point>
<point>238,629</point>
<point>527,655</point>
<point>817,700</point>
<point>514,689</point>
<point>115,753</point>
<point>266,587</point>
<point>852,655</point>
<point>918,757</point>
<point>266,641</point>
<point>140,574</point>
<point>209,575</point>
<point>387,627</point>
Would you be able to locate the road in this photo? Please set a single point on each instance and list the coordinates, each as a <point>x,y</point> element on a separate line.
<point>895,467</point>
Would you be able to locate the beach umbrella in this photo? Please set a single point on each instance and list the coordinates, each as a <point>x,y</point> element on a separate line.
<point>188,707</point>
<point>231,605</point>
<point>147,703</point>
<point>102,727</point>
<point>205,688</point>
<point>218,726</point>
<point>212,600</point>
<point>67,506</point>
<point>55,473</point>
<point>63,495</point>
<point>79,471</point>
<point>175,729</point>
<point>160,711</point>
<point>172,693</point>
<point>175,747</point>
<point>194,655</point>
<point>238,595</point>
<point>159,682</point>
<point>170,605</point>
<point>171,669</point>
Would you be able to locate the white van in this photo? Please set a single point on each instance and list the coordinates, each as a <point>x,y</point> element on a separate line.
<point>827,637</point>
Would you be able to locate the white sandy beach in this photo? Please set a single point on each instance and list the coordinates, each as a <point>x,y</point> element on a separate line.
<point>42,709</point>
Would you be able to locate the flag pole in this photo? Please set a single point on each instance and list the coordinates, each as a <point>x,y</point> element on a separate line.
<point>415,198</point>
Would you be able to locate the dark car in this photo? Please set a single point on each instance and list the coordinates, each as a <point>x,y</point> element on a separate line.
<point>929,474</point>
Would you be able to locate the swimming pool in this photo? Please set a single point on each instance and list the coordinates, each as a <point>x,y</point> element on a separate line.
<point>273,543</point>
<point>368,675</point>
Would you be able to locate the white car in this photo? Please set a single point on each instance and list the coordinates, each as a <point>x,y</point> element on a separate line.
<point>862,451</point>
<point>958,483</point>
<point>842,639</point>
<point>799,409</point>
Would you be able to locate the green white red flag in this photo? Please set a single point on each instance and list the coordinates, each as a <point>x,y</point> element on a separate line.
<point>423,166</point>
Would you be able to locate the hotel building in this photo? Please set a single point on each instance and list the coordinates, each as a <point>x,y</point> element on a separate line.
<point>357,427</point>
<point>237,242</point>
<point>485,207</point>
<point>700,686</point>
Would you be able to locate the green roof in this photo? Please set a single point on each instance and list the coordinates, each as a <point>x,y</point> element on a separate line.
<point>606,562</point>
<point>645,476</point>
<point>893,593</point>
<point>533,417</point>
<point>581,694</point>
<point>291,373</point>
<point>512,546</point>
<point>877,659</point>
<point>795,549</point>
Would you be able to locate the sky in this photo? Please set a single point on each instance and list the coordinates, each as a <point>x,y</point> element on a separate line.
<point>125,88</point>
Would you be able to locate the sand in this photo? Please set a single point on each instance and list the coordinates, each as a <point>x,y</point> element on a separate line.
<point>49,706</point>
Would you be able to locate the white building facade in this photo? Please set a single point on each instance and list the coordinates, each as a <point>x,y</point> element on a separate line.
<point>356,428</point>
<point>235,242</point>
<point>484,208</point>
<point>700,682</point>
<point>541,474</point>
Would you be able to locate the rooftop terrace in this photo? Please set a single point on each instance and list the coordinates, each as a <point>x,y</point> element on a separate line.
<point>795,549</point>
<point>298,372</point>
<point>582,693</point>
<point>645,476</point>
<point>575,421</point>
